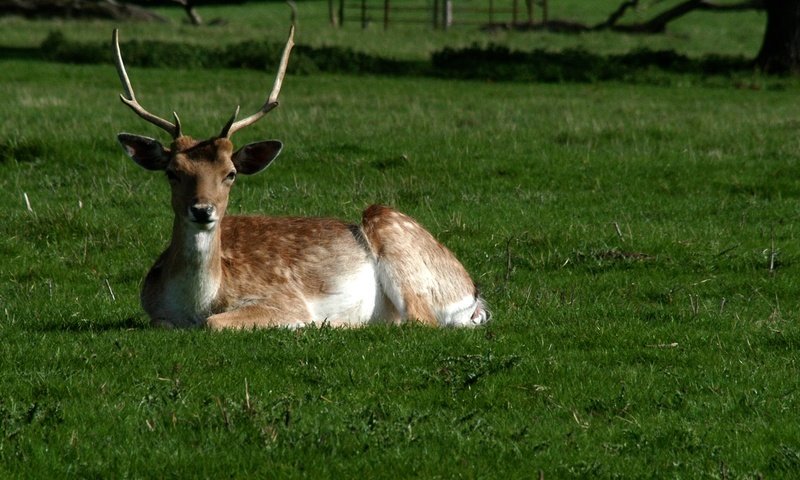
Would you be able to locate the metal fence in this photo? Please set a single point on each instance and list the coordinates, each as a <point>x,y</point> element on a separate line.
<point>440,14</point>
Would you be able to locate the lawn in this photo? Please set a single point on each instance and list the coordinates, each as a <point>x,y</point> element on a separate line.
<point>637,241</point>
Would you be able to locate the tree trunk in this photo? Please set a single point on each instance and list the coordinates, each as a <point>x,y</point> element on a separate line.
<point>780,50</point>
<point>191,12</point>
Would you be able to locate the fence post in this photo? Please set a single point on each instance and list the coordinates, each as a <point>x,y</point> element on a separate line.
<point>341,13</point>
<point>544,11</point>
<point>435,14</point>
<point>514,11</point>
<point>529,7</point>
<point>386,14</point>
<point>332,14</point>
<point>448,14</point>
<point>363,14</point>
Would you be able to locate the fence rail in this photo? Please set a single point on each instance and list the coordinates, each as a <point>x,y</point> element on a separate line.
<point>441,14</point>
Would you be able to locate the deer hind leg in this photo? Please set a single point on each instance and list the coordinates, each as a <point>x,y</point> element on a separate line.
<point>290,313</point>
<point>420,276</point>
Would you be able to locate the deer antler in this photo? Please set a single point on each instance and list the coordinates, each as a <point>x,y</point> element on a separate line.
<point>129,99</point>
<point>272,101</point>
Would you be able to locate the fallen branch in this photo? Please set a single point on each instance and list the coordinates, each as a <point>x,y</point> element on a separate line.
<point>107,9</point>
<point>658,24</point>
<point>617,14</point>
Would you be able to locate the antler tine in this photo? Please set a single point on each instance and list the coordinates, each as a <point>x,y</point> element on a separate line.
<point>272,100</point>
<point>226,129</point>
<point>129,99</point>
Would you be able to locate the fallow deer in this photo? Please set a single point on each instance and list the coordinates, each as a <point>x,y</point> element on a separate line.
<point>251,271</point>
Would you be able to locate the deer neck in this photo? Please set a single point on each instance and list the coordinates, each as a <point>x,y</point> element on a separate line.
<point>195,267</point>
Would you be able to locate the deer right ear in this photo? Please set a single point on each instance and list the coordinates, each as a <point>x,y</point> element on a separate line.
<point>145,151</point>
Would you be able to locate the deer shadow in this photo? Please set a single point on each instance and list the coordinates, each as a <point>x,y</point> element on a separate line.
<point>79,326</point>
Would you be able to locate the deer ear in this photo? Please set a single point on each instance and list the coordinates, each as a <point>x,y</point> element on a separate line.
<point>145,151</point>
<point>254,157</point>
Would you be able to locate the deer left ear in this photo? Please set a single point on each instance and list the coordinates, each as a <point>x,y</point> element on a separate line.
<point>254,157</point>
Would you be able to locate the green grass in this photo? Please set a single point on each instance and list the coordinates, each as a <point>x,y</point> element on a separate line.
<point>622,233</point>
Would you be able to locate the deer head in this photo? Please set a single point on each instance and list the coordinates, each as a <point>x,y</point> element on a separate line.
<point>200,173</point>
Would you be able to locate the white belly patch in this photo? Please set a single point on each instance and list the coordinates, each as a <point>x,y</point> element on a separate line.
<point>354,300</point>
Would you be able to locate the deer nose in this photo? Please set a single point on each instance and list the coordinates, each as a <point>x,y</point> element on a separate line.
<point>201,212</point>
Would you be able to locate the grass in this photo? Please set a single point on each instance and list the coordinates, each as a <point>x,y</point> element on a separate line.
<point>638,244</point>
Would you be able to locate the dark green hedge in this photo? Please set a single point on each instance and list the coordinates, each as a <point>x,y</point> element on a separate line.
<point>257,55</point>
<point>488,63</point>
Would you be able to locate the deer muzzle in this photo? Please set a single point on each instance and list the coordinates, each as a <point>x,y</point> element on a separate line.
<point>203,214</point>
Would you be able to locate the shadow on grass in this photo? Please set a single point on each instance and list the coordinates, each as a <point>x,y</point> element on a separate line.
<point>83,326</point>
<point>497,62</point>
<point>20,53</point>
<point>493,62</point>
<point>21,150</point>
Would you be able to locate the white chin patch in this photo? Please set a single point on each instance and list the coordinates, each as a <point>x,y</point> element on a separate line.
<point>201,226</point>
<point>205,226</point>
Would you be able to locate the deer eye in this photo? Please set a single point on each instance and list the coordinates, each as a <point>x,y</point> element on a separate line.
<point>231,176</point>
<point>172,176</point>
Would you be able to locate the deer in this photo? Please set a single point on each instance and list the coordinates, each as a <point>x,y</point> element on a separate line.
<point>244,272</point>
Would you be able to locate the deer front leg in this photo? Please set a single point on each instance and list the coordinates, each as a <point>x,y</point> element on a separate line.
<point>260,316</point>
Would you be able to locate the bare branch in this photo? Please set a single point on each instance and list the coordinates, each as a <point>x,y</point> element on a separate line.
<point>659,23</point>
<point>617,14</point>
<point>86,9</point>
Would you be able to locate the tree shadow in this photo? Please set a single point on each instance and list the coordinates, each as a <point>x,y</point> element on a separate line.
<point>496,62</point>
